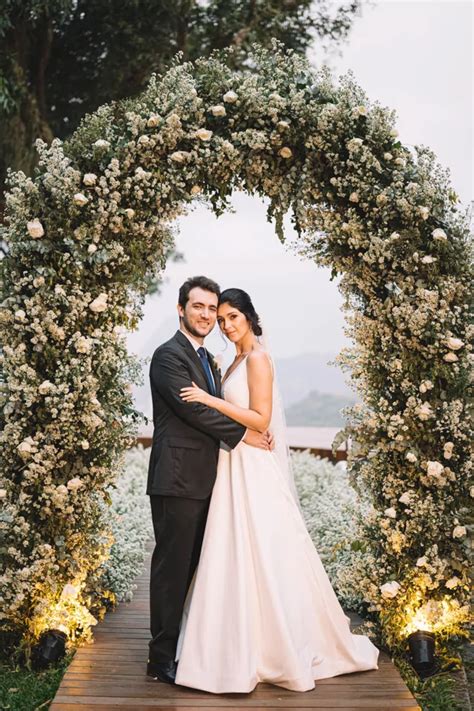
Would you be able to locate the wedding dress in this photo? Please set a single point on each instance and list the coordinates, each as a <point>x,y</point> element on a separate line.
<point>261,607</point>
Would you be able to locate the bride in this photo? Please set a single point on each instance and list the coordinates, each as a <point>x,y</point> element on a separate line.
<point>261,607</point>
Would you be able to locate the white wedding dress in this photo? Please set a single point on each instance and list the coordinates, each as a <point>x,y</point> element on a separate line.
<point>261,607</point>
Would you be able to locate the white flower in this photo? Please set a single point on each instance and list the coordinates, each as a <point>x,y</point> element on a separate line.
<point>390,590</point>
<point>393,133</point>
<point>448,450</point>
<point>391,513</point>
<point>196,189</point>
<point>3,493</point>
<point>69,591</point>
<point>440,234</point>
<point>230,97</point>
<point>83,345</point>
<point>450,357</point>
<point>411,457</point>
<point>424,411</point>
<point>89,179</point>
<point>80,199</point>
<point>435,468</point>
<point>153,121</point>
<point>101,143</point>
<point>203,134</point>
<point>359,111</point>
<point>405,498</point>
<point>99,304</point>
<point>20,315</point>
<point>285,152</point>
<point>421,561</point>
<point>218,110</point>
<point>400,161</point>
<point>452,582</point>
<point>454,344</point>
<point>85,444</point>
<point>423,212</point>
<point>428,259</point>
<point>425,385</point>
<point>388,156</point>
<point>179,156</point>
<point>26,447</point>
<point>75,484</point>
<point>92,248</point>
<point>354,197</point>
<point>130,212</point>
<point>471,492</point>
<point>459,531</point>
<point>35,228</point>
<point>45,387</point>
<point>283,125</point>
<point>143,140</point>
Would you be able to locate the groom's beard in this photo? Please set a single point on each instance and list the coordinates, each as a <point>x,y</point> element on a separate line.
<point>193,331</point>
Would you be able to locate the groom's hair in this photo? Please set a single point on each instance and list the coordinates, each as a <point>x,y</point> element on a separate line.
<point>202,282</point>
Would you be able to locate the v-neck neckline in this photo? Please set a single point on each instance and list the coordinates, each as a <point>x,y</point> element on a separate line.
<point>227,376</point>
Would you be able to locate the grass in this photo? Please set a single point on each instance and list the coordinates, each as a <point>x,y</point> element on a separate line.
<point>25,690</point>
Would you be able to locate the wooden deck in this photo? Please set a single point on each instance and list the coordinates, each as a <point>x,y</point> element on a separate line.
<point>110,674</point>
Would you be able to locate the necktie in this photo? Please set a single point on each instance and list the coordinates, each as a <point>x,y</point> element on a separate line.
<point>207,369</point>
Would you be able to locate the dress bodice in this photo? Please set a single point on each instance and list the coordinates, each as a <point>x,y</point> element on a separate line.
<point>235,388</point>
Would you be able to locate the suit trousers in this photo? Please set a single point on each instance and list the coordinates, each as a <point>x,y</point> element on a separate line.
<point>179,525</point>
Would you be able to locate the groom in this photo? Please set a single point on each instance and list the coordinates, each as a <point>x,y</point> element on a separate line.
<point>183,465</point>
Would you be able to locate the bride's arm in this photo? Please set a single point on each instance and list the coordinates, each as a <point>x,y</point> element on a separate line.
<point>259,377</point>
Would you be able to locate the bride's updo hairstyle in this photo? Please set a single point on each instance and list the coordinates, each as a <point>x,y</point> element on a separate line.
<point>239,299</point>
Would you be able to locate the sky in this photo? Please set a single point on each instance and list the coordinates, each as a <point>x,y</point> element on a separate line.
<point>414,56</point>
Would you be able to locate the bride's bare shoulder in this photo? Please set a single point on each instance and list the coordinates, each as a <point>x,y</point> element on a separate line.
<point>259,357</point>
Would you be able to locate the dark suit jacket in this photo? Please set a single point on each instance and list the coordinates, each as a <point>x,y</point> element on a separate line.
<point>186,436</point>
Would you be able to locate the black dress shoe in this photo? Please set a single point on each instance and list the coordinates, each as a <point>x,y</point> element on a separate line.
<point>162,671</point>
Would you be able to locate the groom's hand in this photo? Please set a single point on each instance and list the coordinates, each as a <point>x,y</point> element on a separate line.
<point>262,440</point>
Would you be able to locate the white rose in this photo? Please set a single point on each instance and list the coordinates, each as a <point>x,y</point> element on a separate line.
<point>285,152</point>
<point>92,248</point>
<point>196,189</point>
<point>452,582</point>
<point>428,259</point>
<point>75,484</point>
<point>423,212</point>
<point>388,156</point>
<point>80,199</point>
<point>20,315</point>
<point>421,561</point>
<point>283,125</point>
<point>101,143</point>
<point>153,121</point>
<point>448,450</point>
<point>83,345</point>
<point>26,447</point>
<point>401,162</point>
<point>450,357</point>
<point>203,134</point>
<point>218,110</point>
<point>454,344</point>
<point>45,387</point>
<point>391,513</point>
<point>411,457</point>
<point>393,133</point>
<point>435,469</point>
<point>459,531</point>
<point>99,304</point>
<point>89,179</point>
<point>85,444</point>
<point>230,97</point>
<point>130,212</point>
<point>354,197</point>
<point>440,234</point>
<point>405,498</point>
<point>35,228</point>
<point>390,590</point>
<point>143,140</point>
<point>179,156</point>
<point>424,411</point>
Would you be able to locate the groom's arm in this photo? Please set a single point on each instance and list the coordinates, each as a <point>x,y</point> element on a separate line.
<point>168,374</point>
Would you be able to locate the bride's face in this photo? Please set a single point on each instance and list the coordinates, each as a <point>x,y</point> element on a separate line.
<point>232,322</point>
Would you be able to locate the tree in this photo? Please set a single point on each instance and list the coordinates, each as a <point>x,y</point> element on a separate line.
<point>61,59</point>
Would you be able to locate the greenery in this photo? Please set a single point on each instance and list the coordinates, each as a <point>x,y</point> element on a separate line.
<point>61,59</point>
<point>96,221</point>
<point>318,410</point>
<point>24,690</point>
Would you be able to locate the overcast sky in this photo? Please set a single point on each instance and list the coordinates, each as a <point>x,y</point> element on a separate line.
<point>414,56</point>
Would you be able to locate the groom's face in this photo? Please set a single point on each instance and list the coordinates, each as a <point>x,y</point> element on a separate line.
<point>199,315</point>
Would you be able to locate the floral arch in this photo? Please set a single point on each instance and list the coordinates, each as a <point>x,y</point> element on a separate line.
<point>89,229</point>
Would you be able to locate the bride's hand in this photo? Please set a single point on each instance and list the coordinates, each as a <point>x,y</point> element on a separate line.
<point>196,394</point>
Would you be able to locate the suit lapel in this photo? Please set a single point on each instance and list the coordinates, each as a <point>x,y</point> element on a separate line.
<point>215,372</point>
<point>196,361</point>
